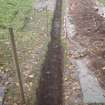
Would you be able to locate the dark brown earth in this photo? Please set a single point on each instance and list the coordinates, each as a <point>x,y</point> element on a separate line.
<point>50,84</point>
<point>90,34</point>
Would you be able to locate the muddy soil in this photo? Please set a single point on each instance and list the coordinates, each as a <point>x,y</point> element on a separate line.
<point>90,34</point>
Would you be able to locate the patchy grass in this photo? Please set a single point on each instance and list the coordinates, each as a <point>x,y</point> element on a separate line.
<point>31,41</point>
<point>103,1</point>
<point>30,28</point>
<point>10,11</point>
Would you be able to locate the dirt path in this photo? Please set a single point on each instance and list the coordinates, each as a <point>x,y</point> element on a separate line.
<point>50,86</point>
<point>88,43</point>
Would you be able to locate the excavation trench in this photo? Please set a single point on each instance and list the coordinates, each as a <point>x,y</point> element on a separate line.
<point>50,84</point>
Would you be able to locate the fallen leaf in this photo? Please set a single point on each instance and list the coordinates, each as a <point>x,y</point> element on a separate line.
<point>103,68</point>
<point>67,65</point>
<point>65,78</point>
<point>17,84</point>
<point>31,84</point>
<point>66,97</point>
<point>70,67</point>
<point>1,68</point>
<point>31,76</point>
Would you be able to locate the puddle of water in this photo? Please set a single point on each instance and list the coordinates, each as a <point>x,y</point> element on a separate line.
<point>92,92</point>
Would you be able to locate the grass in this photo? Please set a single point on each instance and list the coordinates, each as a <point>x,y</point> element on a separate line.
<point>103,1</point>
<point>10,9</point>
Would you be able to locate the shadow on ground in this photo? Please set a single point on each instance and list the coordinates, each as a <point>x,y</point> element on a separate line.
<point>50,84</point>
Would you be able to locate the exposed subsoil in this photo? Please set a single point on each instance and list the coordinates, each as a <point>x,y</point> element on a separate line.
<point>90,34</point>
<point>50,84</point>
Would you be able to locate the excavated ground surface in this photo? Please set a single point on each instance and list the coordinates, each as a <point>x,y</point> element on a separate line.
<point>90,34</point>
